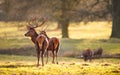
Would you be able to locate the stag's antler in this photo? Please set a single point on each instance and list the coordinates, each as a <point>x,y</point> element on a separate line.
<point>39,25</point>
<point>45,27</point>
<point>35,22</point>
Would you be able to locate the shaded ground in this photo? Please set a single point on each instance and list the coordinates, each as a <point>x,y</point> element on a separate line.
<point>19,51</point>
<point>30,51</point>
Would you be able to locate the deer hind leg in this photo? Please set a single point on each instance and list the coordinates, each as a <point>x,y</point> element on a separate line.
<point>42,57</point>
<point>47,56</point>
<point>56,58</point>
<point>42,54</point>
<point>90,58</point>
<point>57,53</point>
<point>38,53</point>
<point>38,56</point>
<point>85,58</point>
<point>53,57</point>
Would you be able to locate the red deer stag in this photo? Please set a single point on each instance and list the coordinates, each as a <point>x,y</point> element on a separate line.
<point>53,46</point>
<point>33,34</point>
<point>87,55</point>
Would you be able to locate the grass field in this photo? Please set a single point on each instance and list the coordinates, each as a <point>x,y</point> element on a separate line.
<point>82,36</point>
<point>91,35</point>
<point>25,65</point>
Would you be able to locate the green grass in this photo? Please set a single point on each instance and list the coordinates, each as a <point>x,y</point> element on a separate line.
<point>25,65</point>
<point>14,43</point>
<point>111,46</point>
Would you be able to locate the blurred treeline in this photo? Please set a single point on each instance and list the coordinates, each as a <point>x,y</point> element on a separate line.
<point>77,10</point>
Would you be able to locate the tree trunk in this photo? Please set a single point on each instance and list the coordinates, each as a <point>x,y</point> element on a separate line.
<point>116,19</point>
<point>59,25</point>
<point>7,6</point>
<point>64,25</point>
<point>64,20</point>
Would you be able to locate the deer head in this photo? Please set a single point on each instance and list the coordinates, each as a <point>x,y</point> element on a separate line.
<point>31,31</point>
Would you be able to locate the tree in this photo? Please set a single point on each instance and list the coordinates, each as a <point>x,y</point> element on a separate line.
<point>64,20</point>
<point>65,15</point>
<point>7,5</point>
<point>61,11</point>
<point>67,11</point>
<point>116,19</point>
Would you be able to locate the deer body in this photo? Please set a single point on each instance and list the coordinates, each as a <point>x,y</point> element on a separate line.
<point>43,42</point>
<point>98,52</point>
<point>32,33</point>
<point>87,55</point>
<point>53,46</point>
<point>36,40</point>
<point>43,45</point>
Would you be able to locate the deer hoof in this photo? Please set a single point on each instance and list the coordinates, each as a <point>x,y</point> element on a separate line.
<point>42,64</point>
<point>37,65</point>
<point>53,62</point>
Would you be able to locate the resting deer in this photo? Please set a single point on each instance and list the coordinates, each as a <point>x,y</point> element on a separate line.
<point>53,46</point>
<point>36,39</point>
<point>87,55</point>
<point>98,52</point>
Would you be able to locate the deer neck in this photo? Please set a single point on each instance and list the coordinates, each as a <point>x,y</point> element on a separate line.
<point>33,38</point>
<point>47,36</point>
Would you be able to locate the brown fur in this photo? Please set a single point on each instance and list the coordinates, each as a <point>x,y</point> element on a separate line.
<point>87,55</point>
<point>98,52</point>
<point>53,46</point>
<point>41,39</point>
<point>37,41</point>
